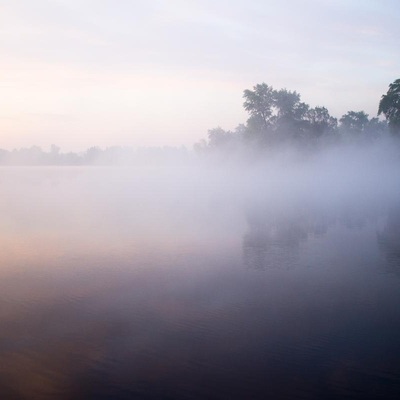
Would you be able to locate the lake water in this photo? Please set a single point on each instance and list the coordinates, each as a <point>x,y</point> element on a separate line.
<point>119,283</point>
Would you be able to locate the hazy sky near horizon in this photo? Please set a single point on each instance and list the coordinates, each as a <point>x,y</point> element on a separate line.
<point>79,73</point>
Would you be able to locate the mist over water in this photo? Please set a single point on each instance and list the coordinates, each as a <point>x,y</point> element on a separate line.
<point>247,278</point>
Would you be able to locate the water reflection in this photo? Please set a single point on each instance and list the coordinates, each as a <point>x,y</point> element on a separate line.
<point>389,240</point>
<point>137,296</point>
<point>273,240</point>
<point>267,245</point>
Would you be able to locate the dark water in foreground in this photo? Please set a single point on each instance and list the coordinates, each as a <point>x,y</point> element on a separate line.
<point>119,287</point>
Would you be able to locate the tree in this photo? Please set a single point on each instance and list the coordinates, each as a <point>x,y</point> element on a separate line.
<point>218,137</point>
<point>375,128</point>
<point>259,102</point>
<point>92,155</point>
<point>390,106</point>
<point>354,121</point>
<point>290,115</point>
<point>320,121</point>
<point>274,114</point>
<point>288,105</point>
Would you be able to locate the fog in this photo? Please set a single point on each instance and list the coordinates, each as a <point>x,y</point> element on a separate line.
<point>262,262</point>
<point>116,281</point>
<point>186,199</point>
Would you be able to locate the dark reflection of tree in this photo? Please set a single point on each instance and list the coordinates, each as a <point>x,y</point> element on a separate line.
<point>389,240</point>
<point>272,241</point>
<point>275,233</point>
<point>255,246</point>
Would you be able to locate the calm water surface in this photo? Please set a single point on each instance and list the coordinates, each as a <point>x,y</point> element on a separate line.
<point>120,284</point>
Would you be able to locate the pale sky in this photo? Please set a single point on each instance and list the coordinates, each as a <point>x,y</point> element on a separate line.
<point>79,73</point>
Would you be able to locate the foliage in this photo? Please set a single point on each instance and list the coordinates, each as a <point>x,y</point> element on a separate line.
<point>259,103</point>
<point>390,106</point>
<point>279,116</point>
<point>354,121</point>
<point>320,121</point>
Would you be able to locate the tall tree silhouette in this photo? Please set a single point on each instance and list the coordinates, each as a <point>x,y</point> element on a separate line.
<point>390,106</point>
<point>259,102</point>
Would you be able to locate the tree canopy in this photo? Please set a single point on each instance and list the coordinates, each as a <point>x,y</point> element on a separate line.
<point>280,116</point>
<point>390,106</point>
<point>259,102</point>
<point>354,121</point>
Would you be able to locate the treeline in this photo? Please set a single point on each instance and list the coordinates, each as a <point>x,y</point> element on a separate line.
<point>279,117</point>
<point>115,155</point>
<point>276,118</point>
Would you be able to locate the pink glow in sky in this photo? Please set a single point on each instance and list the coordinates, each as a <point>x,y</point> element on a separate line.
<point>139,73</point>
